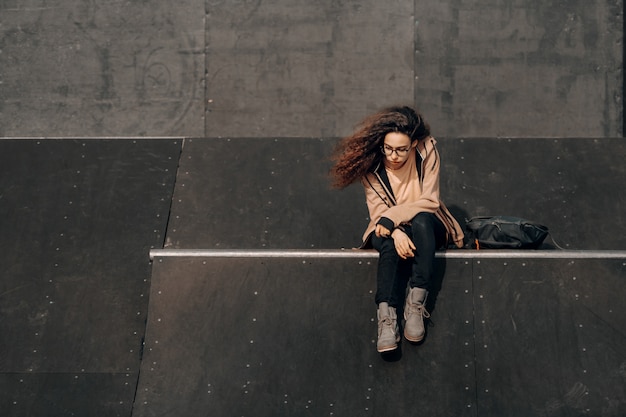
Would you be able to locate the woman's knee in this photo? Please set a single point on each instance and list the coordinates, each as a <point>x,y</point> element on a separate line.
<point>388,246</point>
<point>381,243</point>
<point>385,247</point>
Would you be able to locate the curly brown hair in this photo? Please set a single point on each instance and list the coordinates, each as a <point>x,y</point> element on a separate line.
<point>359,153</point>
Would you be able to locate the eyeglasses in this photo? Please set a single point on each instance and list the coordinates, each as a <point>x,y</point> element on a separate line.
<point>388,150</point>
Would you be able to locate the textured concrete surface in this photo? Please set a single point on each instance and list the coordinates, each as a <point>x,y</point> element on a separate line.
<point>521,67</point>
<point>285,68</point>
<point>83,68</point>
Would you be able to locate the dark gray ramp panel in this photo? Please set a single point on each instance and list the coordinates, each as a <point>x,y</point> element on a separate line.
<point>296,337</point>
<point>550,337</point>
<point>67,394</point>
<point>262,193</point>
<point>79,217</point>
<point>275,193</point>
<point>575,186</point>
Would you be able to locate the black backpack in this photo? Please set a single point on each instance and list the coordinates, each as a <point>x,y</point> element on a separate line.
<point>504,232</point>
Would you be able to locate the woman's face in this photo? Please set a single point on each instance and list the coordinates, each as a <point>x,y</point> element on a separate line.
<point>396,147</point>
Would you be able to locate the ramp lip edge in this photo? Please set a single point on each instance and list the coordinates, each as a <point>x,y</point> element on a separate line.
<point>26,138</point>
<point>370,253</point>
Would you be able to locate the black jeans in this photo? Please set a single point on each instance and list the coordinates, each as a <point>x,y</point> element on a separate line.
<point>428,234</point>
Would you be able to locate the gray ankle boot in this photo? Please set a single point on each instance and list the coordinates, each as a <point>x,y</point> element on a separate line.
<point>414,314</point>
<point>388,334</point>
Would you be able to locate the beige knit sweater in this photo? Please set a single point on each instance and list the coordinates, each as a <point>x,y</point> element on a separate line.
<point>399,195</point>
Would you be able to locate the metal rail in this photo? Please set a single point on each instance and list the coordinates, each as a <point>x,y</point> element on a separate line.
<point>358,253</point>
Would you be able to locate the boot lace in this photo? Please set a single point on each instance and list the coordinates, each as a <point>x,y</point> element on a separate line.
<point>386,321</point>
<point>419,309</point>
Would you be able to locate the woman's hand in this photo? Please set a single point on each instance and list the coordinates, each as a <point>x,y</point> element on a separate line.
<point>404,244</point>
<point>382,231</point>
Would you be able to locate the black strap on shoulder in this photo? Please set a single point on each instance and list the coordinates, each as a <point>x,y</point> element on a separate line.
<point>381,174</point>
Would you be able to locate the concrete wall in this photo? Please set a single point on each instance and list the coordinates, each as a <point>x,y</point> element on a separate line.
<point>529,68</point>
